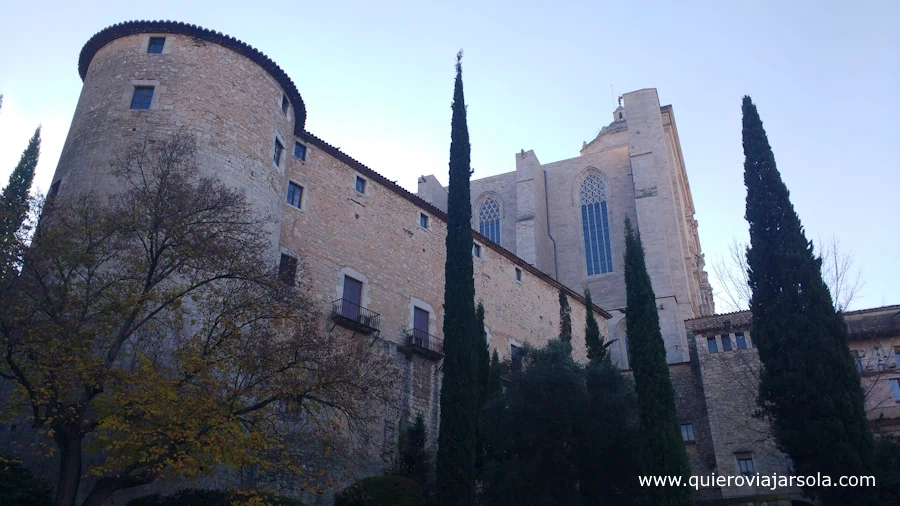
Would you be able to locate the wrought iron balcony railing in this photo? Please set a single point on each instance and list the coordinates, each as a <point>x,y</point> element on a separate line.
<point>354,316</point>
<point>423,343</point>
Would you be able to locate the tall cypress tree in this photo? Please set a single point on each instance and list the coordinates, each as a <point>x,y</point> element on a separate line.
<point>14,202</point>
<point>596,351</point>
<point>483,365</point>
<point>565,319</point>
<point>809,386</point>
<point>664,452</point>
<point>455,476</point>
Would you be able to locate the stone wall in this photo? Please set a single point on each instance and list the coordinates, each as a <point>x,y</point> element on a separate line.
<point>376,237</point>
<point>230,104</point>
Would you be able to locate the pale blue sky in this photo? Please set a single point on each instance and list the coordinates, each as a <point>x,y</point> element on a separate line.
<point>377,81</point>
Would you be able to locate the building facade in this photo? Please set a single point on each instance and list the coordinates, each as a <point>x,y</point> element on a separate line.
<point>373,254</point>
<point>567,217</point>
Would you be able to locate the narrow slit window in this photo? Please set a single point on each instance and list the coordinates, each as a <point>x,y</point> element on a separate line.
<point>279,148</point>
<point>360,184</point>
<point>476,250</point>
<point>284,104</point>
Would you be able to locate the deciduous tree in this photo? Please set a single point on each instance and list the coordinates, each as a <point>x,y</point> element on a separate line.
<point>154,326</point>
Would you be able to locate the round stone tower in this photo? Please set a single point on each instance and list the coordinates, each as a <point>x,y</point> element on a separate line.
<point>151,78</point>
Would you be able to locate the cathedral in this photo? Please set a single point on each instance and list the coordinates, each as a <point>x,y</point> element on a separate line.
<point>567,217</point>
<point>373,254</point>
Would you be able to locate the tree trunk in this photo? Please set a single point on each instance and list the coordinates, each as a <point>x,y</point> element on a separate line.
<point>69,467</point>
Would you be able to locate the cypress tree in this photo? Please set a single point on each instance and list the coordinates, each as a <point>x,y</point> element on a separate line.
<point>14,202</point>
<point>483,364</point>
<point>455,476</point>
<point>565,319</point>
<point>664,452</point>
<point>495,377</point>
<point>809,386</point>
<point>596,351</point>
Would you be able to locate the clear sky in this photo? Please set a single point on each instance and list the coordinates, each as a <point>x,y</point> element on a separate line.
<point>377,80</point>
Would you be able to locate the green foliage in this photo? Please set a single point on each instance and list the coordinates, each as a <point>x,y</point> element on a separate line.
<point>531,431</point>
<point>495,377</point>
<point>596,351</point>
<point>455,476</point>
<point>664,452</point>
<point>809,387</point>
<point>382,491</point>
<point>415,461</point>
<point>203,497</point>
<point>887,469</point>
<point>18,486</point>
<point>611,430</point>
<point>14,203</point>
<point>565,319</point>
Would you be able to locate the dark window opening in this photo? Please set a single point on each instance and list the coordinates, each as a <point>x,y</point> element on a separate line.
<point>287,269</point>
<point>741,340</point>
<point>745,461</point>
<point>857,360</point>
<point>54,189</point>
<point>516,354</point>
<point>284,104</point>
<point>352,298</point>
<point>299,151</point>
<point>518,274</point>
<point>476,250</point>
<point>711,342</point>
<point>360,184</point>
<point>156,45</point>
<point>279,148</point>
<point>423,220</point>
<point>726,342</point>
<point>294,194</point>
<point>620,115</point>
<point>687,432</point>
<point>143,96</point>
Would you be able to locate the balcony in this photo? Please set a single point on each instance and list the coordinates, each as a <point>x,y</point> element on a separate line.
<point>423,343</point>
<point>355,317</point>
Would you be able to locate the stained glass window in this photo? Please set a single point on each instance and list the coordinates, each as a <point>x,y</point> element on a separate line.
<point>595,224</point>
<point>489,220</point>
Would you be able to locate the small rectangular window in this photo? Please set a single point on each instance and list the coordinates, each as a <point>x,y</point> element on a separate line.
<point>857,360</point>
<point>726,342</point>
<point>423,220</point>
<point>518,274</point>
<point>279,148</point>
<point>294,194</point>
<point>360,184</point>
<point>476,250</point>
<point>745,461</point>
<point>897,356</point>
<point>299,151</point>
<point>687,432</point>
<point>741,340</point>
<point>143,96</point>
<point>287,269</point>
<point>284,104</point>
<point>711,342</point>
<point>895,389</point>
<point>156,45</point>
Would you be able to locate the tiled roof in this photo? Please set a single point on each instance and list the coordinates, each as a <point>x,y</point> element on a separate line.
<point>111,33</point>
<point>876,322</point>
<point>441,215</point>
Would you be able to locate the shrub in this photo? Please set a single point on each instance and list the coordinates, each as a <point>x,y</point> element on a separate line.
<point>200,497</point>
<point>382,491</point>
<point>18,486</point>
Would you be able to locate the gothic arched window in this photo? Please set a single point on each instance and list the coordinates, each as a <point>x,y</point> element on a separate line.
<point>595,224</point>
<point>489,220</point>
